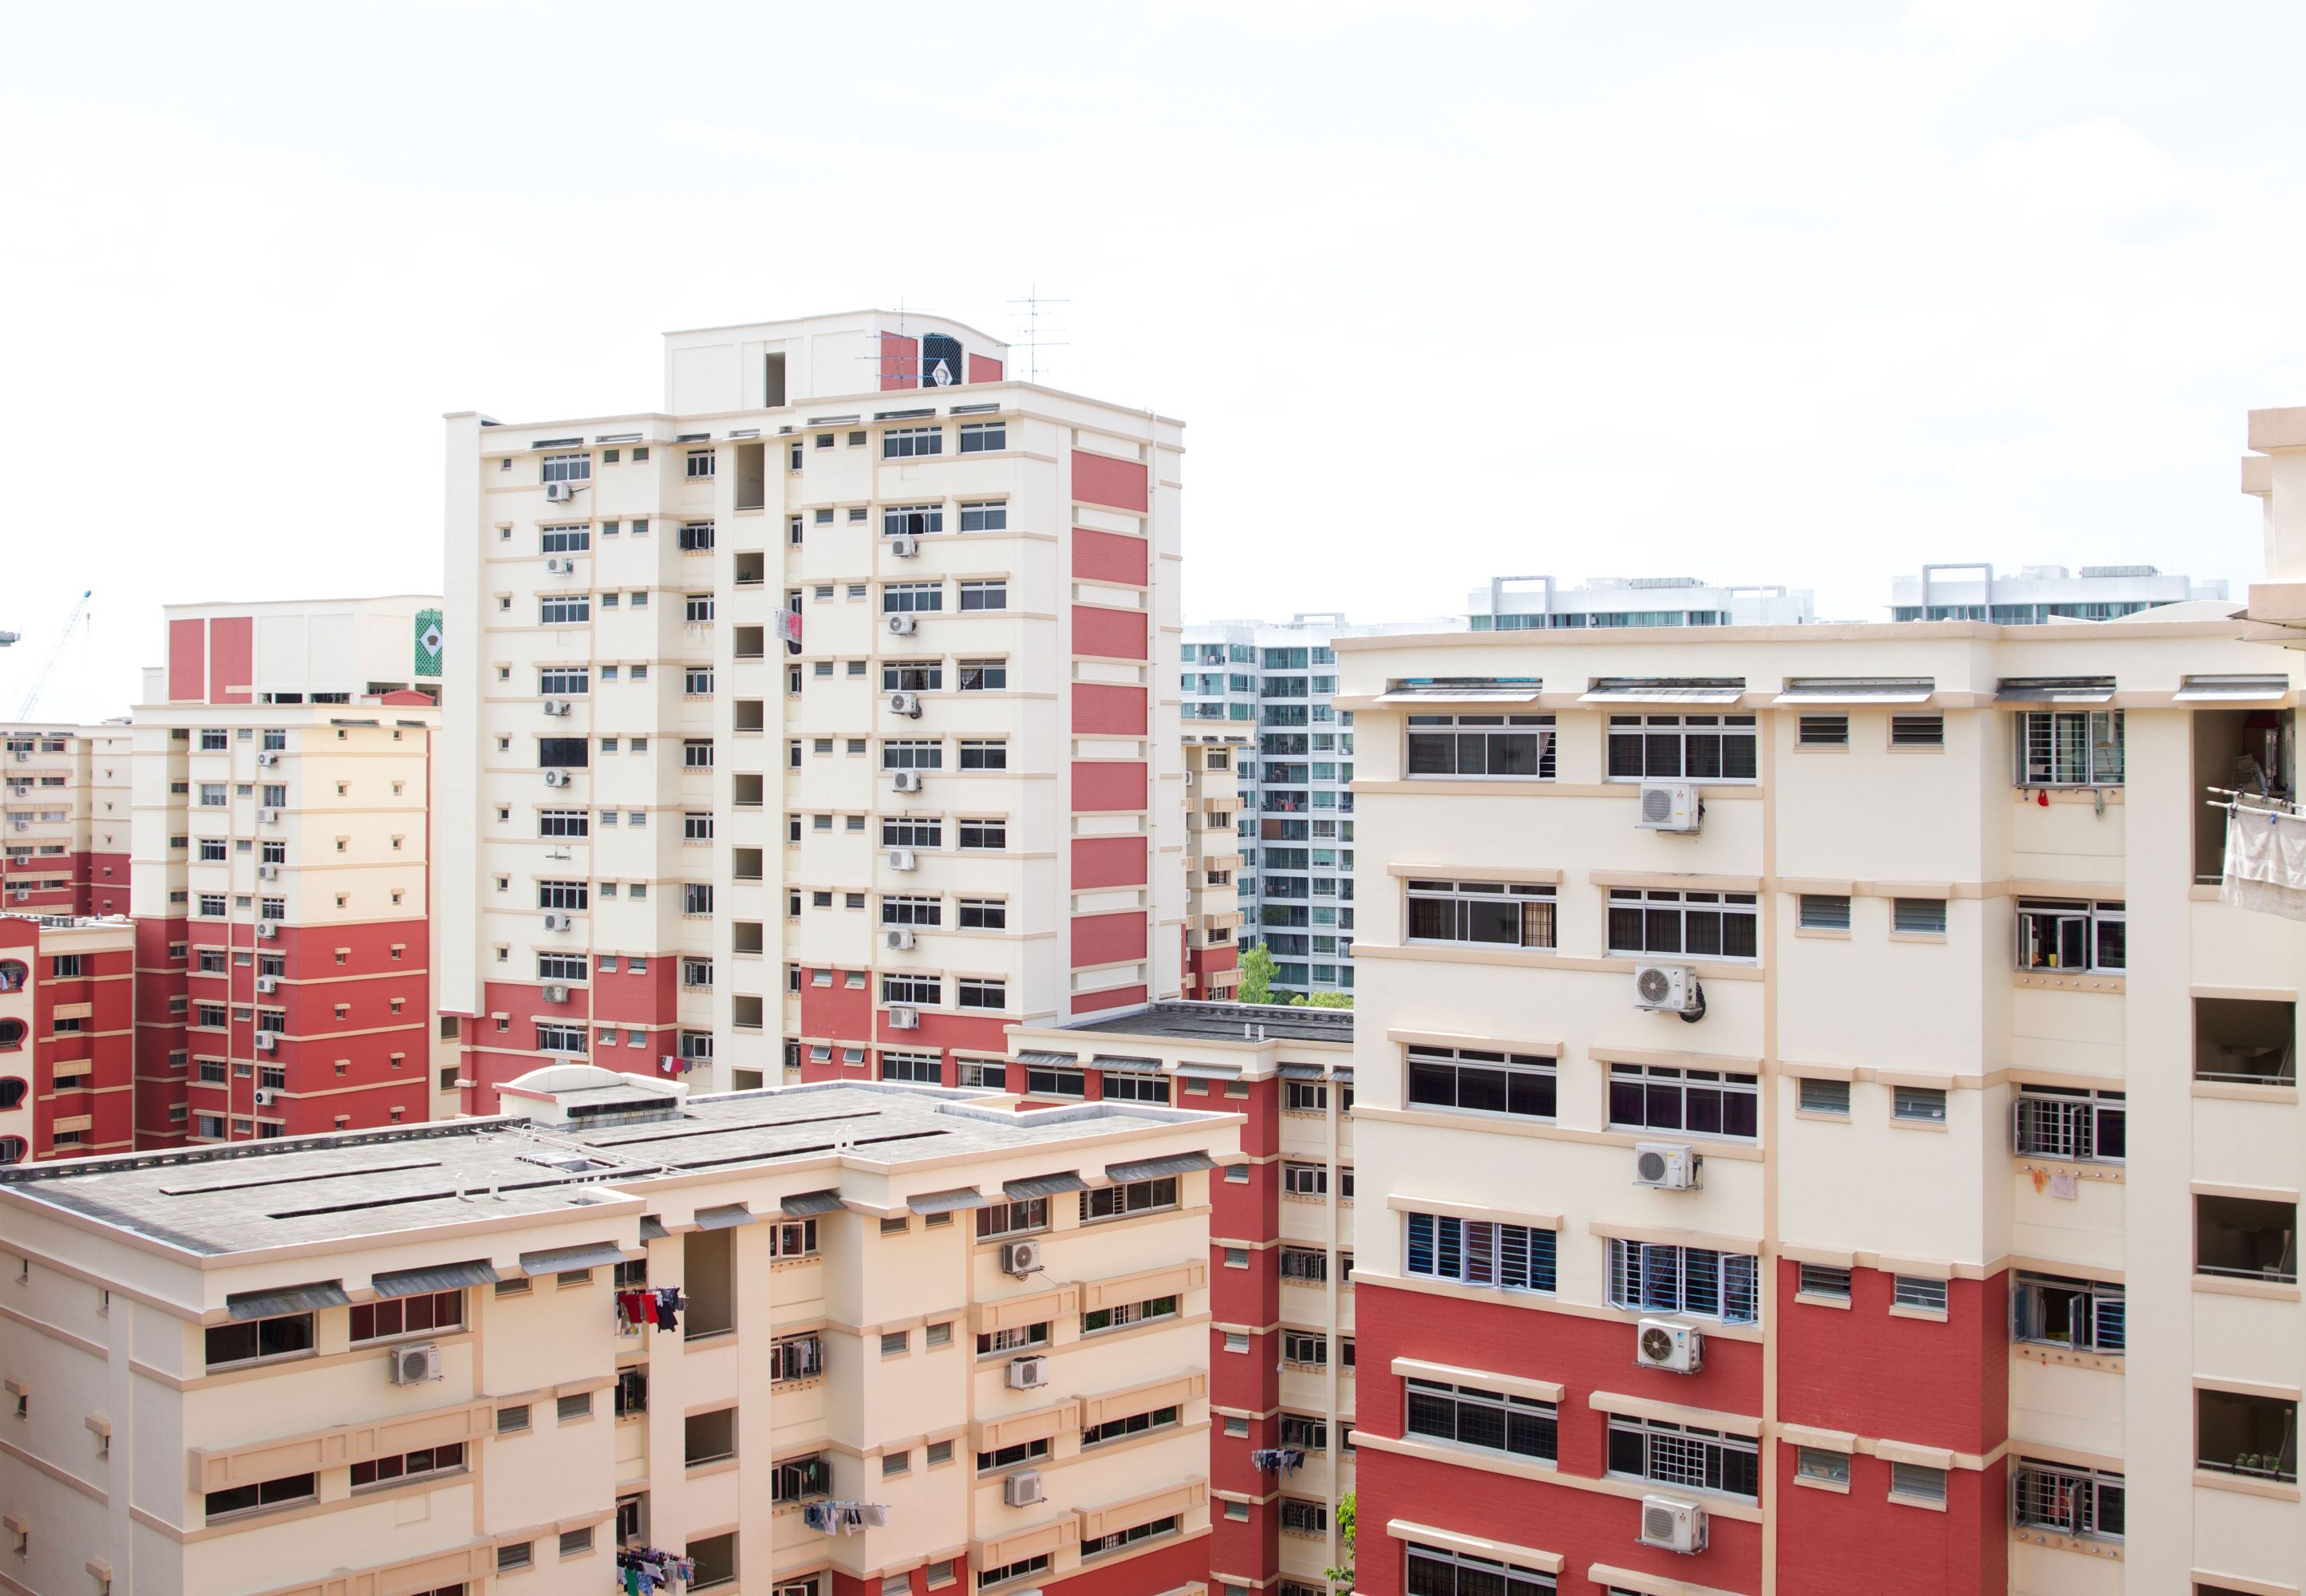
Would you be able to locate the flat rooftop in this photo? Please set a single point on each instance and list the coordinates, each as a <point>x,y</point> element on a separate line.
<point>1183,1021</point>
<point>341,1188</point>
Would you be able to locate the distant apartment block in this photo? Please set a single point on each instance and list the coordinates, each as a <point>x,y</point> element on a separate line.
<point>1539,604</point>
<point>67,1036</point>
<point>966,807</point>
<point>2041,593</point>
<point>283,776</point>
<point>1214,916</point>
<point>64,818</point>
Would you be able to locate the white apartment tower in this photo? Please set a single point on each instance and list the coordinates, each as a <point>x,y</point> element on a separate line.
<point>947,585</point>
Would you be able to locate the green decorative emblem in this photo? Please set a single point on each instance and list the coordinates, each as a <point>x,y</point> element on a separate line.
<point>428,643</point>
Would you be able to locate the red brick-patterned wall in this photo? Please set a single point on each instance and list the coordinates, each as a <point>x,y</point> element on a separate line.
<point>1111,557</point>
<point>1100,479</point>
<point>1108,633</point>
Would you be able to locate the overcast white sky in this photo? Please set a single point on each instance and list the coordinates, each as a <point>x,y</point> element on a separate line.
<point>1784,292</point>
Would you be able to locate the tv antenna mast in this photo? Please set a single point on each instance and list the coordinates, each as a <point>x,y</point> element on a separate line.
<point>1032,335</point>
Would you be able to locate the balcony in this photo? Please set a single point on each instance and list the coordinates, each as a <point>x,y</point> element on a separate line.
<point>2241,1238</point>
<point>2245,1042</point>
<point>2246,1436</point>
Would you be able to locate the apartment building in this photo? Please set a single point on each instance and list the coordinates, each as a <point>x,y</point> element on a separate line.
<point>1280,1261</point>
<point>2040,594</point>
<point>966,810</point>
<point>844,1339</point>
<point>1537,603</point>
<point>1214,917</point>
<point>283,828</point>
<point>1750,1021</point>
<point>64,818</point>
<point>67,1036</point>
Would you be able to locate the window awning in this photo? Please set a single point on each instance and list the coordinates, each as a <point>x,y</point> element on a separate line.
<point>727,1215</point>
<point>1857,689</point>
<point>1148,1169</point>
<point>1342,1077</point>
<point>1663,690</point>
<point>288,1299</point>
<point>1462,692</point>
<point>560,1260</point>
<point>653,1228</point>
<point>417,1283</point>
<point>1044,1186</point>
<point>809,1203</point>
<point>1211,1072</point>
<point>1114,1060</point>
<point>1301,1071</point>
<point>947,1202</point>
<point>2255,689</point>
<point>2054,690</point>
<point>1071,1060</point>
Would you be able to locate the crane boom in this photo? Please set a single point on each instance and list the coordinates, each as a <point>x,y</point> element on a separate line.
<point>48,665</point>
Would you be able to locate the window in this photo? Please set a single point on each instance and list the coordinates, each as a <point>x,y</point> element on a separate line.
<point>1823,731</point>
<point>1691,924</point>
<point>1823,913</point>
<point>1695,747</point>
<point>697,754</point>
<point>1824,1096</point>
<point>973,993</point>
<point>984,676</point>
<point>1926,1105</point>
<point>2053,1121</point>
<point>912,676</point>
<point>258,1340</point>
<point>265,1493</point>
<point>1117,1539</point>
<point>910,598</point>
<point>795,1238</point>
<point>2054,1310</point>
<point>1491,1421</point>
<point>1684,1456</point>
<point>911,989</point>
<point>564,823</point>
<point>990,835</point>
<point>911,833</point>
<point>561,894</point>
<point>1824,1280</point>
<point>1433,1572</point>
<point>920,1069</point>
<point>1113,1429</point>
<point>1918,732</point>
<point>2053,934</point>
<point>697,682</point>
<point>564,540</point>
<point>1700,1102</point>
<point>1016,1338</point>
<point>1311,1096</point>
<point>1481,912</point>
<point>1301,1346</point>
<point>1913,1291</point>
<point>906,443</point>
<point>1135,1196</point>
<point>446,1459</point>
<point>564,609</point>
<point>1042,1080</point>
<point>1022,1568</point>
<point>983,596</point>
<point>1479,1252</point>
<point>1120,1087</point>
<point>1009,1457</point>
<point>1818,1463</point>
<point>2079,1502</point>
<point>912,520</point>
<point>912,755</point>
<point>428,1312</point>
<point>561,752</point>
<point>1480,1082</point>
<point>2069,747</point>
<point>1699,1281</point>
<point>1519,747</point>
<point>989,516</point>
<point>1918,916</point>
<point>796,1357</point>
<point>980,438</point>
<point>1017,1219</point>
<point>560,1038</point>
<point>1303,1518</point>
<point>894,1342</point>
<point>2255,1436</point>
<point>700,464</point>
<point>568,468</point>
<point>1128,1313</point>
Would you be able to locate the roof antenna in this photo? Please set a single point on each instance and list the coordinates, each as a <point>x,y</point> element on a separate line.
<point>1031,335</point>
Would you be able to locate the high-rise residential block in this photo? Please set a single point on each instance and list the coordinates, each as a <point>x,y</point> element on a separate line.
<point>2040,594</point>
<point>284,822</point>
<point>64,818</point>
<point>845,1339</point>
<point>966,808</point>
<point>67,1036</point>
<point>1750,1022</point>
<point>1539,604</point>
<point>1214,916</point>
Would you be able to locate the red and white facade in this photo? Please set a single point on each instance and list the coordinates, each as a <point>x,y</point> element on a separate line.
<point>63,818</point>
<point>965,809</point>
<point>67,999</point>
<point>283,830</point>
<point>1213,860</point>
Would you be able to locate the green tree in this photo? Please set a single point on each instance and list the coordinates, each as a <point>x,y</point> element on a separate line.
<point>1256,977</point>
<point>1323,999</point>
<point>1341,1578</point>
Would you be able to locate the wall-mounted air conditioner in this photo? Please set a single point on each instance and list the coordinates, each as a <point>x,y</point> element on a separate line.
<point>902,625</point>
<point>1022,1489</point>
<point>558,922</point>
<point>902,1018</point>
<point>1676,1348</point>
<point>899,939</point>
<point>1020,1257</point>
<point>902,859</point>
<point>1671,807</point>
<point>1669,1165</point>
<point>1673,1525</point>
<point>1027,1374</point>
<point>908,781</point>
<point>908,704</point>
<point>1669,989</point>
<point>414,1365</point>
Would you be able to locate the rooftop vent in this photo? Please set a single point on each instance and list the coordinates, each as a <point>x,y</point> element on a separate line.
<point>2120,570</point>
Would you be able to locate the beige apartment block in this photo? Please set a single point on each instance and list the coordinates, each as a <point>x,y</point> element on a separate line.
<point>1750,1025</point>
<point>918,1341</point>
<point>947,585</point>
<point>65,818</point>
<point>1213,862</point>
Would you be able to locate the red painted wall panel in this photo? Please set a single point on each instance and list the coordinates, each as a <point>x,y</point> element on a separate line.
<point>1109,939</point>
<point>837,1013</point>
<point>1904,1379</point>
<point>188,654</point>
<point>1112,997</point>
<point>901,361</point>
<point>1108,862</point>
<point>1830,1543</point>
<point>984,368</point>
<point>1105,709</point>
<point>1172,1566</point>
<point>1108,633</point>
<point>232,659</point>
<point>1100,479</point>
<point>1110,557</point>
<point>1109,785</point>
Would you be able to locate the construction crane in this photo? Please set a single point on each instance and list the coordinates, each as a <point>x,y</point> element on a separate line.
<point>49,666</point>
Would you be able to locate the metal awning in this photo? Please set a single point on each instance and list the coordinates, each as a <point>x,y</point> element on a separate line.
<point>653,1228</point>
<point>1344,1077</point>
<point>1444,692</point>
<point>1044,1186</point>
<point>1210,1072</point>
<point>727,1215</point>
<point>2256,689</point>
<point>416,1283</point>
<point>947,1202</point>
<point>1663,690</point>
<point>2054,690</point>
<point>288,1299</point>
<point>811,1202</point>
<point>1114,1060</point>
<point>561,1261</point>
<point>1148,1169</point>
<point>1301,1071</point>
<point>1072,1061</point>
<point>1857,689</point>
